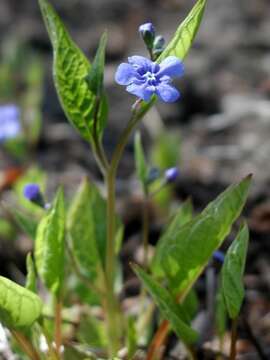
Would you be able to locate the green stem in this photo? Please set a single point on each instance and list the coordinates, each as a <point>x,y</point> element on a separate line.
<point>112,305</point>
<point>145,228</point>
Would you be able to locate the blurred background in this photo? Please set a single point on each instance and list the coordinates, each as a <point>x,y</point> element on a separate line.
<point>218,132</point>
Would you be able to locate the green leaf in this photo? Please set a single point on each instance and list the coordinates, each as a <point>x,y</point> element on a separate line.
<point>165,152</point>
<point>86,224</point>
<point>88,212</point>
<point>7,230</point>
<point>91,331</point>
<point>183,254</point>
<point>70,70</point>
<point>96,73</point>
<point>169,309</point>
<point>183,216</point>
<point>232,273</point>
<point>141,166</point>
<point>185,34</point>
<point>132,337</point>
<point>29,226</point>
<point>220,313</point>
<point>49,245</point>
<point>19,307</point>
<point>31,281</point>
<point>191,304</point>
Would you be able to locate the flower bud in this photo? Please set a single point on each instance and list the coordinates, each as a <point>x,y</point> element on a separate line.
<point>32,193</point>
<point>147,32</point>
<point>219,256</point>
<point>153,175</point>
<point>158,45</point>
<point>159,42</point>
<point>171,174</point>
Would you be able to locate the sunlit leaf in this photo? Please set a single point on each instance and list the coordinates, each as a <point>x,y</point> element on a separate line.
<point>183,254</point>
<point>185,34</point>
<point>31,281</point>
<point>49,245</point>
<point>70,70</point>
<point>19,307</point>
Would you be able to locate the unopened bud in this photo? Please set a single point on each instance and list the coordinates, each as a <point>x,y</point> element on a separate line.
<point>32,193</point>
<point>172,174</point>
<point>147,32</point>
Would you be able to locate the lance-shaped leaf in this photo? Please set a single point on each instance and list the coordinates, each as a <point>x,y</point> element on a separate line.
<point>232,273</point>
<point>183,216</point>
<point>185,34</point>
<point>88,211</point>
<point>28,225</point>
<point>31,281</point>
<point>19,307</point>
<point>96,73</point>
<point>183,254</point>
<point>169,309</point>
<point>86,224</point>
<point>49,245</point>
<point>70,70</point>
<point>141,166</point>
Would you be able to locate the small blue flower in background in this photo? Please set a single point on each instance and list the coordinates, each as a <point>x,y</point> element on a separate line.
<point>10,125</point>
<point>33,193</point>
<point>144,77</point>
<point>219,256</point>
<point>172,174</point>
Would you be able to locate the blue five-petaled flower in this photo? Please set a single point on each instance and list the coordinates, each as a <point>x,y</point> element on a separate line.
<point>144,77</point>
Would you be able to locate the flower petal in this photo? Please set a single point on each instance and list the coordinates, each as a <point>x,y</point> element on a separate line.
<point>167,93</point>
<point>171,66</point>
<point>125,73</point>
<point>140,61</point>
<point>142,91</point>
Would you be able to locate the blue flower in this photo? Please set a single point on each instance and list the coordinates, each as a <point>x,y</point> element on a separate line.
<point>219,256</point>
<point>10,125</point>
<point>33,193</point>
<point>172,174</point>
<point>144,77</point>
